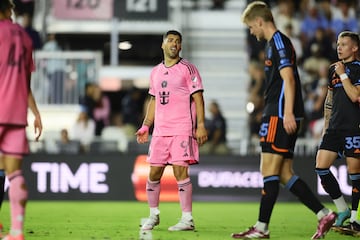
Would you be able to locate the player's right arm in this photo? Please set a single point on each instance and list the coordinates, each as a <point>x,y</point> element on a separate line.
<point>327,109</point>
<point>287,74</point>
<point>142,135</point>
<point>150,112</point>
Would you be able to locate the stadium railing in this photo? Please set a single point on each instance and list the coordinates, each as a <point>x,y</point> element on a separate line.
<point>60,76</point>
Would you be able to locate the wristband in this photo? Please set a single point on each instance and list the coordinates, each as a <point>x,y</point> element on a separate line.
<point>343,76</point>
<point>143,129</point>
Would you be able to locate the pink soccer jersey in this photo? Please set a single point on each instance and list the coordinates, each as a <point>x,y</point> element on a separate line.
<point>172,88</point>
<point>16,64</point>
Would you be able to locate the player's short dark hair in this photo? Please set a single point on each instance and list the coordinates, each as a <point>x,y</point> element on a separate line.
<point>352,35</point>
<point>6,5</point>
<point>173,32</point>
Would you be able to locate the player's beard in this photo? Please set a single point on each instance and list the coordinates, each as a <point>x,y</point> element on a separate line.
<point>172,54</point>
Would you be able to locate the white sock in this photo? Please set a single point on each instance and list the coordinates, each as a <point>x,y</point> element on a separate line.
<point>353,216</point>
<point>341,204</point>
<point>154,211</point>
<point>187,216</point>
<point>261,226</point>
<point>322,213</point>
<point>15,232</point>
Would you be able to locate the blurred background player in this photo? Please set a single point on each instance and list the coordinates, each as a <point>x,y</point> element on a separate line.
<point>282,113</point>
<point>176,108</point>
<point>216,127</point>
<point>342,132</point>
<point>15,73</point>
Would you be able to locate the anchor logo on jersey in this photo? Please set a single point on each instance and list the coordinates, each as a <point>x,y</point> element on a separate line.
<point>164,97</point>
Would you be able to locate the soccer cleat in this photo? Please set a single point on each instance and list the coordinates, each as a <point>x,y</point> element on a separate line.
<point>11,237</point>
<point>342,217</point>
<point>353,229</point>
<point>183,225</point>
<point>324,225</point>
<point>151,222</point>
<point>251,233</point>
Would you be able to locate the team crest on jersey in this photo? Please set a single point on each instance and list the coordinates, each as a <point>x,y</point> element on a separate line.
<point>164,84</point>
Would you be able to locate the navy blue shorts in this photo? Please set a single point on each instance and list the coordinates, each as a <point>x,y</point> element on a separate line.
<point>274,139</point>
<point>344,141</point>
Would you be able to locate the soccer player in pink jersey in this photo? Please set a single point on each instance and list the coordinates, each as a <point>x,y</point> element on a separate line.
<point>176,108</point>
<point>16,65</point>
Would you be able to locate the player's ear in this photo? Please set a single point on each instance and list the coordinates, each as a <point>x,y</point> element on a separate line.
<point>356,49</point>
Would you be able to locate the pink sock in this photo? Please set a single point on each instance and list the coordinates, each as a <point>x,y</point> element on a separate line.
<point>18,195</point>
<point>185,194</point>
<point>153,193</point>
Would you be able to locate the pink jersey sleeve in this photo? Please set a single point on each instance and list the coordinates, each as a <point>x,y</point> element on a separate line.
<point>195,81</point>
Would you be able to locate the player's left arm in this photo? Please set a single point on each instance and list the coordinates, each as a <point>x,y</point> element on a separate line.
<point>352,91</point>
<point>201,133</point>
<point>287,74</point>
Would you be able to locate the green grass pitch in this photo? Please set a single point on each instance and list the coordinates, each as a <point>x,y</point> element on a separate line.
<point>95,220</point>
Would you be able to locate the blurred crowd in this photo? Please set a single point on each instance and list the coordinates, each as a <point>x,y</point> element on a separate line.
<point>100,126</point>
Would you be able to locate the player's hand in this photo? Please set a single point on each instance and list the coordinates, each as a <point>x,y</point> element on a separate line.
<point>339,67</point>
<point>289,124</point>
<point>37,127</point>
<point>142,135</point>
<point>201,135</point>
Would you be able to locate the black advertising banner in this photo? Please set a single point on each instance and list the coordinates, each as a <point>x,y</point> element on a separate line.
<point>123,177</point>
<point>79,177</point>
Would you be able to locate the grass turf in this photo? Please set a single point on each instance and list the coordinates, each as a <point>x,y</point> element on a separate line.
<point>93,220</point>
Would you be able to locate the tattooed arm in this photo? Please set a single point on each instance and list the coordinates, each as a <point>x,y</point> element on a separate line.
<point>327,109</point>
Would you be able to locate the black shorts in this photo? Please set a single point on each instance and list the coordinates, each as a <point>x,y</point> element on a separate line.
<point>274,139</point>
<point>343,141</point>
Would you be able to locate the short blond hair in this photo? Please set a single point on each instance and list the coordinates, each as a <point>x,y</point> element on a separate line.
<point>257,9</point>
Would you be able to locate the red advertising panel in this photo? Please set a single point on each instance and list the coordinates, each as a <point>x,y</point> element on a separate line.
<point>83,9</point>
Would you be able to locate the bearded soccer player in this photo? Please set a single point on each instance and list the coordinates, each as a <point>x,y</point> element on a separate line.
<point>176,109</point>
